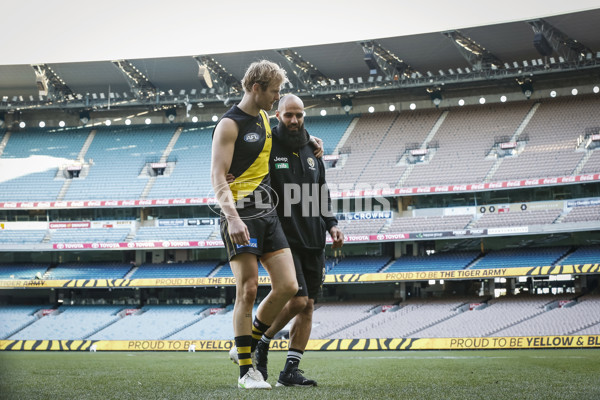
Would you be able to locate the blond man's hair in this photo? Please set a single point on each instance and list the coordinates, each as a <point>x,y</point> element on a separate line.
<point>264,73</point>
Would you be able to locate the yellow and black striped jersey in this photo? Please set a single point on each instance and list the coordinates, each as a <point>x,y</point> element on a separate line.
<point>250,162</point>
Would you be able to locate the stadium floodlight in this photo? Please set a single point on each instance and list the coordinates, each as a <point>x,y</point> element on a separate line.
<point>596,89</point>
<point>482,100</point>
<point>215,118</point>
<point>413,106</point>
<point>171,114</point>
<point>22,124</point>
<point>148,121</point>
<point>526,87</point>
<point>194,119</point>
<point>84,117</point>
<point>503,99</point>
<point>346,104</point>
<point>392,107</point>
<point>42,124</point>
<point>108,122</point>
<point>371,109</point>
<point>461,102</point>
<point>61,124</point>
<point>574,92</point>
<point>127,121</point>
<point>553,93</point>
<point>435,95</point>
<point>323,112</point>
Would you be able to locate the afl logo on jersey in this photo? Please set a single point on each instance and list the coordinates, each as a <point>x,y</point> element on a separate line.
<point>251,137</point>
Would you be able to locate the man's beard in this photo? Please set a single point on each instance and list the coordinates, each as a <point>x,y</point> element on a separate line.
<point>293,138</point>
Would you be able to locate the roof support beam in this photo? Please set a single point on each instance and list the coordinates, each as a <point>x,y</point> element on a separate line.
<point>307,75</point>
<point>140,85</point>
<point>478,57</point>
<point>214,76</point>
<point>49,83</point>
<point>566,47</point>
<point>385,62</point>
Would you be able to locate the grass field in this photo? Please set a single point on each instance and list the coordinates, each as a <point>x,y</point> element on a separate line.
<point>477,374</point>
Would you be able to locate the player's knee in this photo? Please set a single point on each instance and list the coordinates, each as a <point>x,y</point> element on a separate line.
<point>307,310</point>
<point>288,289</point>
<point>298,304</point>
<point>247,294</point>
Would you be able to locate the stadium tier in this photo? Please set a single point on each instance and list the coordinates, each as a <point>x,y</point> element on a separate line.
<point>455,146</point>
<point>439,261</point>
<point>151,322</point>
<point>435,262</point>
<point>118,157</point>
<point>522,315</point>
<point>507,258</point>
<point>225,271</point>
<point>358,265</point>
<point>16,271</point>
<point>73,322</point>
<point>32,159</point>
<point>196,232</point>
<point>88,271</point>
<point>175,270</point>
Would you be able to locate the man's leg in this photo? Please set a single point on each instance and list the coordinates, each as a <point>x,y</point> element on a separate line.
<point>291,308</point>
<point>279,265</point>
<point>245,270</point>
<point>302,326</point>
<point>299,335</point>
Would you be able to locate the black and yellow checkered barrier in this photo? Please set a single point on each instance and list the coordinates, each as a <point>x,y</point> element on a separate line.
<point>329,279</point>
<point>525,342</point>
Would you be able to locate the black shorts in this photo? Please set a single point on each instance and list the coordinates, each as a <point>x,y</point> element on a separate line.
<point>309,272</point>
<point>266,236</point>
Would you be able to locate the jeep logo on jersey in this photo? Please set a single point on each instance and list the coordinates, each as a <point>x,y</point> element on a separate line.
<point>251,137</point>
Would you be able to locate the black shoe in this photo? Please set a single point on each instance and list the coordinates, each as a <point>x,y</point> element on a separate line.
<point>294,378</point>
<point>262,354</point>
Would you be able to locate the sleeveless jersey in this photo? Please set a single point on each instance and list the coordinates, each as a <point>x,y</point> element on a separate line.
<point>250,162</point>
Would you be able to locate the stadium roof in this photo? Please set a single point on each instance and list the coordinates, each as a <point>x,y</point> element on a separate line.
<point>452,56</point>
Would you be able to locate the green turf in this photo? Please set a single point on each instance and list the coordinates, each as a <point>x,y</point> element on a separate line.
<point>479,374</point>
